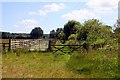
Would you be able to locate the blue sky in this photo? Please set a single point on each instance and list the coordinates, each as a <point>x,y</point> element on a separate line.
<point>22,17</point>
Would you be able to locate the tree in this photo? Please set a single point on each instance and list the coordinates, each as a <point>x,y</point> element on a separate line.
<point>56,34</point>
<point>52,34</point>
<point>117,32</point>
<point>36,33</point>
<point>118,22</point>
<point>94,32</point>
<point>71,28</point>
<point>58,30</point>
<point>117,29</point>
<point>5,35</point>
<point>61,35</point>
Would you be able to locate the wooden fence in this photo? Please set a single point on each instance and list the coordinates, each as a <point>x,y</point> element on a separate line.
<point>27,44</point>
<point>61,48</point>
<point>5,44</point>
<point>36,45</point>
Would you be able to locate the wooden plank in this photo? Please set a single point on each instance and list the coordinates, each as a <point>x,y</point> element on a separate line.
<point>66,45</point>
<point>4,41</point>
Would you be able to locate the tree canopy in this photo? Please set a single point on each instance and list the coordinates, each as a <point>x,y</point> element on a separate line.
<point>52,34</point>
<point>71,27</point>
<point>36,33</point>
<point>93,30</point>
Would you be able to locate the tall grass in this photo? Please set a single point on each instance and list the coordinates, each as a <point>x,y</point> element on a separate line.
<point>35,65</point>
<point>95,64</point>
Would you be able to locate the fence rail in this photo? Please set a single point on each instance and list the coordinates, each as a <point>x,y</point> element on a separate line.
<point>37,45</point>
<point>5,44</point>
<point>60,48</point>
<point>28,44</point>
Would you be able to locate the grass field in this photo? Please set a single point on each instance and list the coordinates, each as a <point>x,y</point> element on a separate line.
<point>48,65</point>
<point>35,65</point>
<point>95,64</point>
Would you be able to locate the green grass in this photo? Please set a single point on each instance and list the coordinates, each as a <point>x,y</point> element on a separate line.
<point>36,65</point>
<point>95,64</point>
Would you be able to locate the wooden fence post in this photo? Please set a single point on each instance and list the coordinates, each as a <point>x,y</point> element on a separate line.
<point>49,46</point>
<point>39,44</point>
<point>9,45</point>
<point>4,51</point>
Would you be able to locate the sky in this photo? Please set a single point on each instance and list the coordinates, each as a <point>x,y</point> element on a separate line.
<point>23,16</point>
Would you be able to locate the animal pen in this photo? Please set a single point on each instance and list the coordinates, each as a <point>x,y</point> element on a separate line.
<point>35,45</point>
<point>27,44</point>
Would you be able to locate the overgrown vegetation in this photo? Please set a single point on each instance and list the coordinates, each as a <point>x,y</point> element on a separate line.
<point>97,57</point>
<point>35,65</point>
<point>95,64</point>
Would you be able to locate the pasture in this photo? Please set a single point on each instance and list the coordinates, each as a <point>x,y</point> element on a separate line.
<point>95,64</point>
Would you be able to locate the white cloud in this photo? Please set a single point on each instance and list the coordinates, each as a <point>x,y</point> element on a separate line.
<point>54,7</point>
<point>27,23</point>
<point>95,9</point>
<point>102,6</point>
<point>81,14</point>
<point>41,12</point>
<point>31,12</point>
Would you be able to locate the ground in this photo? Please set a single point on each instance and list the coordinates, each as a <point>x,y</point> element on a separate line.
<point>35,65</point>
<point>50,65</point>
